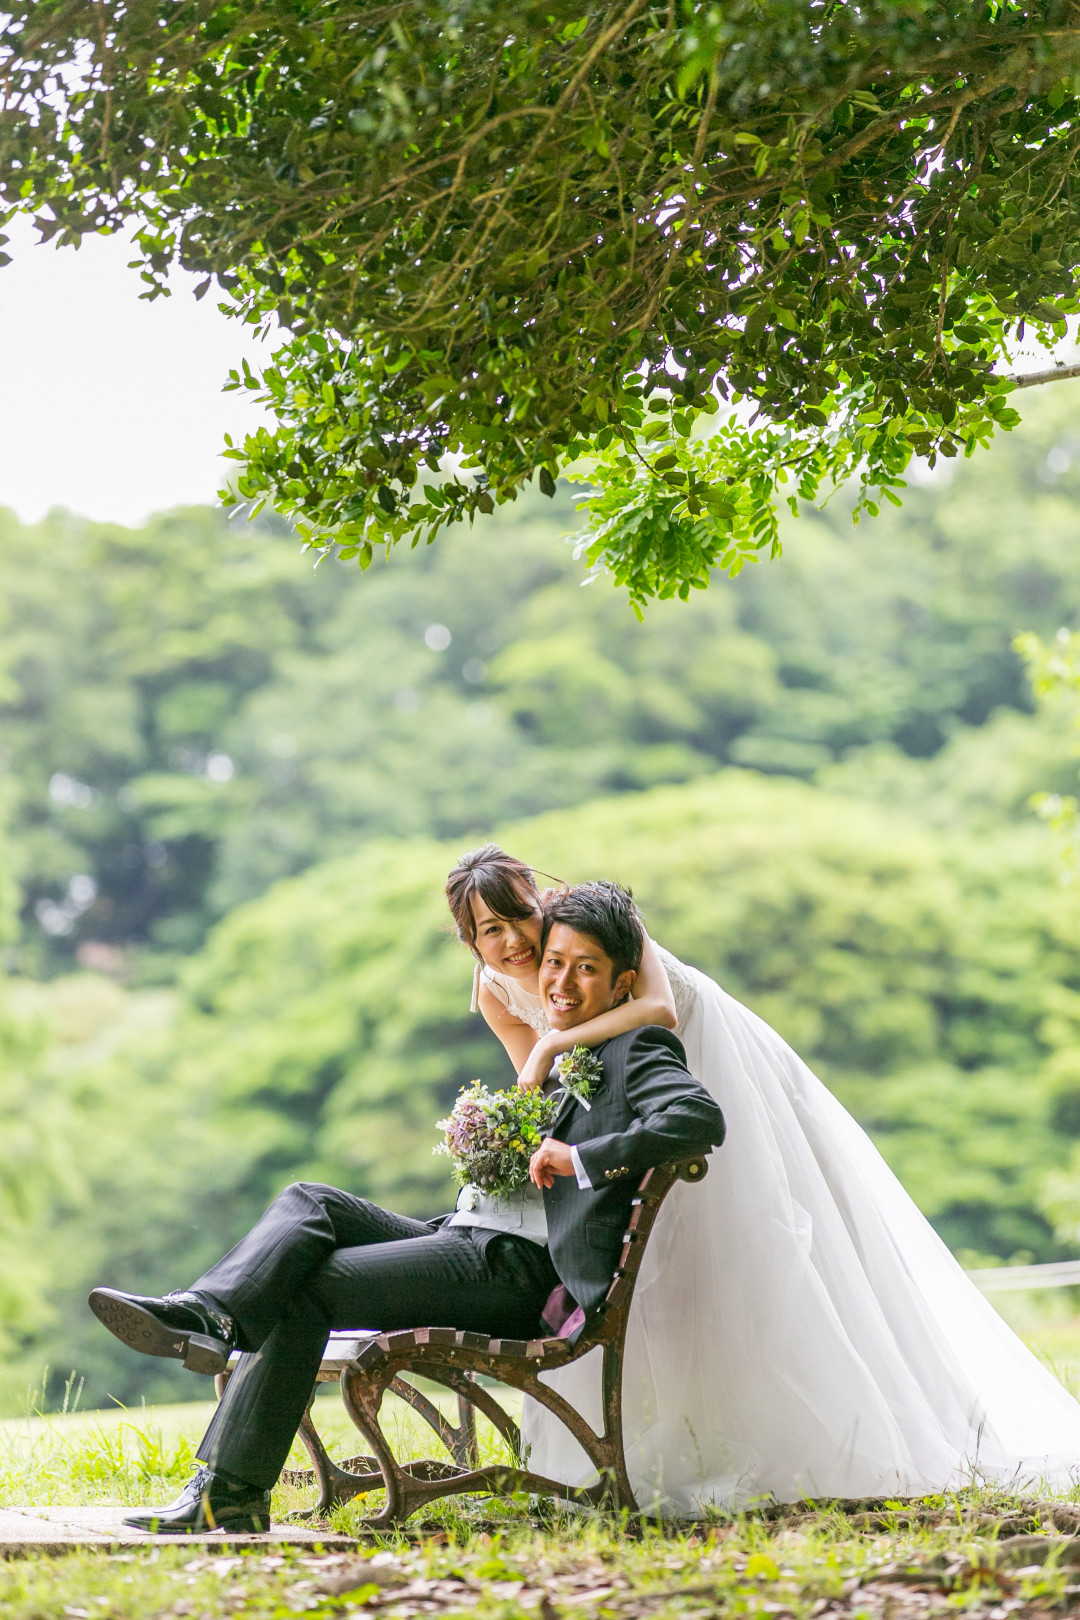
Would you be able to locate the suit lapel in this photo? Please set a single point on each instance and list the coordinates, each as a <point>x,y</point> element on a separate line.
<point>563,1113</point>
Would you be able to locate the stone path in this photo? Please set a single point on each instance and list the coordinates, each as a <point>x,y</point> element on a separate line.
<point>66,1529</point>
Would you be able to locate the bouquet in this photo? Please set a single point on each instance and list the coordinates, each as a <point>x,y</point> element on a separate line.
<point>490,1136</point>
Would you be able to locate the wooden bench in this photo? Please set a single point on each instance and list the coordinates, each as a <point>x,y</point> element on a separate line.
<point>367,1365</point>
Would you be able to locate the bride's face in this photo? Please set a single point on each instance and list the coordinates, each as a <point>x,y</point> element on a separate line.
<point>507,944</point>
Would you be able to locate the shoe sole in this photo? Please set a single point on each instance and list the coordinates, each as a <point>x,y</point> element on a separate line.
<point>140,1330</point>
<point>246,1523</point>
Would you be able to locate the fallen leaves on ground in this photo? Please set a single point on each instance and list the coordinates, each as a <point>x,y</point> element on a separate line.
<point>984,1555</point>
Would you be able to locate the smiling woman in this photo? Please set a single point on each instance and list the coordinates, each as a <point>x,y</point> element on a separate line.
<point>496,906</point>
<point>504,889</point>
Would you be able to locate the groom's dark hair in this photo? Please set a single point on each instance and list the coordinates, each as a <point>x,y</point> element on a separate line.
<point>607,913</point>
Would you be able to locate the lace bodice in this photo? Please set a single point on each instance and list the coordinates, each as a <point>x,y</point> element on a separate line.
<point>521,1002</point>
<point>682,985</point>
<point>530,1009</point>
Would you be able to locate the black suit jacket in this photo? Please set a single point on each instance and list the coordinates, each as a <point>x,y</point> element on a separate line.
<point>647,1109</point>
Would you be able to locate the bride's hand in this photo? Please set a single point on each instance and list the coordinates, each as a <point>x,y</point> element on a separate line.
<point>536,1068</point>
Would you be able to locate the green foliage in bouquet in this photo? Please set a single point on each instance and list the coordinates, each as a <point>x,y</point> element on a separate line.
<point>490,1136</point>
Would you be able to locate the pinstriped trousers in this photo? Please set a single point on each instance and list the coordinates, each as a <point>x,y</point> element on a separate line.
<point>321,1259</point>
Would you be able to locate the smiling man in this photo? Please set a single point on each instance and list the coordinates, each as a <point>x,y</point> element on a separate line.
<point>579,979</point>
<point>646,1109</point>
<point>322,1259</point>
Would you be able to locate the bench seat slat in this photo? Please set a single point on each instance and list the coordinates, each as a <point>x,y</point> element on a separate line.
<point>472,1341</point>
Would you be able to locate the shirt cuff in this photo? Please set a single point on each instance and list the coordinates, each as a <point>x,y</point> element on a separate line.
<point>579,1170</point>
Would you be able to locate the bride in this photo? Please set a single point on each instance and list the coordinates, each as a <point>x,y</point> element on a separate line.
<point>798,1328</point>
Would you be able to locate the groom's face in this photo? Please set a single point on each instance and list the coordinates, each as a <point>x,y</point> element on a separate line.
<point>577,978</point>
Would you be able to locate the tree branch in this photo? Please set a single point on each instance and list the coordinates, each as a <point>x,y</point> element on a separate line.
<point>1033,379</point>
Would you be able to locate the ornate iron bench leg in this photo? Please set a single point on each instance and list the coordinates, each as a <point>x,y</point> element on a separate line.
<point>605,1451</point>
<point>336,1484</point>
<point>470,1447</point>
<point>363,1399</point>
<point>623,1491</point>
<point>410,1486</point>
<point>460,1442</point>
<point>473,1398</point>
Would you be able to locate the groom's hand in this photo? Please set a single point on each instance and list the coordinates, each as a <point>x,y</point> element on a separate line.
<point>551,1159</point>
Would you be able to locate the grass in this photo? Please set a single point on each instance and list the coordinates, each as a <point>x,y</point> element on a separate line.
<point>1048,1320</point>
<point>128,1458</point>
<point>957,1554</point>
<point>980,1553</point>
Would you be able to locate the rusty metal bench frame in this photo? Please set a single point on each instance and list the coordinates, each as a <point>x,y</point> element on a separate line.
<point>368,1365</point>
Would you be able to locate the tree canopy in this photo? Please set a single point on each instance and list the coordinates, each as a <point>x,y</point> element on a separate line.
<point>504,238</point>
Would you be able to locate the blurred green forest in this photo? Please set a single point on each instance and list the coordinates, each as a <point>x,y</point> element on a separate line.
<point>232,787</point>
<point>189,712</point>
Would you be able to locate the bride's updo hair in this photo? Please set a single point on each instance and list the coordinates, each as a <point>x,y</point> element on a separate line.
<point>506,884</point>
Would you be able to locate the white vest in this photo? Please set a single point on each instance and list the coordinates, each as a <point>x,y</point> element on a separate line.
<point>522,1213</point>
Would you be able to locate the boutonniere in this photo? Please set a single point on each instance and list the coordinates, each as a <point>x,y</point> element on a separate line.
<point>580,1073</point>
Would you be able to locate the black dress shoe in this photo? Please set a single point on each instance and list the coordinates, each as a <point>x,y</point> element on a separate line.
<point>208,1501</point>
<point>183,1326</point>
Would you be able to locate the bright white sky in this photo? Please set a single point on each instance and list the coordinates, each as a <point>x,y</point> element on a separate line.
<point>112,406</point>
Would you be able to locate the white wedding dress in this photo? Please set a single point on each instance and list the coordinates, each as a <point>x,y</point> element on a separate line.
<point>798,1328</point>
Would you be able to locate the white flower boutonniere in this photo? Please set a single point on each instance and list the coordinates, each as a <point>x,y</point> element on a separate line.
<point>580,1072</point>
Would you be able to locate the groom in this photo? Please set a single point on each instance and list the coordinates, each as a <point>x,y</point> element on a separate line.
<point>322,1259</point>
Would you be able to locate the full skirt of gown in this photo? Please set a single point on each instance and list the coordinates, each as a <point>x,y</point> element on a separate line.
<point>799,1329</point>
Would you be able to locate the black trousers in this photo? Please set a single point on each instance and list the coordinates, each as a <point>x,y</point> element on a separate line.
<point>321,1259</point>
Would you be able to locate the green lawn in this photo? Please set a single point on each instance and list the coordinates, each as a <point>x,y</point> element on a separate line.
<point>978,1553</point>
<point>134,1457</point>
<point>1049,1322</point>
